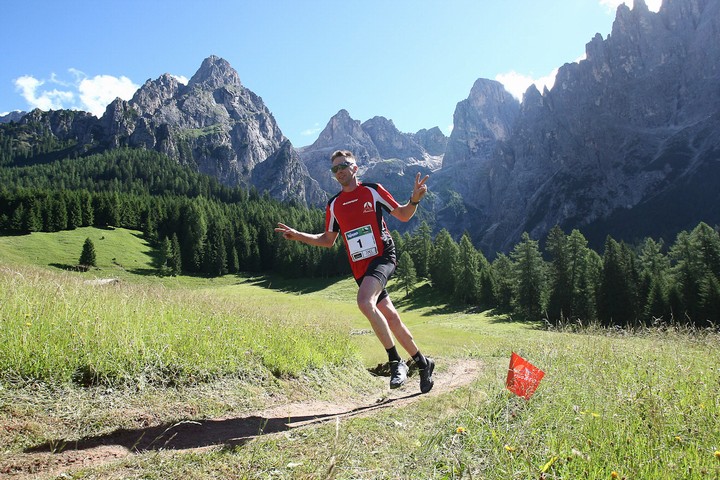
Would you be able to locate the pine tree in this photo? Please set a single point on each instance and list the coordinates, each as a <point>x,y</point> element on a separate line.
<point>617,296</point>
<point>502,272</point>
<point>560,303</point>
<point>467,282</point>
<point>420,247</point>
<point>406,272</point>
<point>164,256</point>
<point>175,260</point>
<point>443,265</point>
<point>87,257</point>
<point>587,277</point>
<point>688,271</point>
<point>654,270</point>
<point>529,279</point>
<point>710,301</point>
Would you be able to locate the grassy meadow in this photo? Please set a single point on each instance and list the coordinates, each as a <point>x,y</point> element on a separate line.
<point>81,360</point>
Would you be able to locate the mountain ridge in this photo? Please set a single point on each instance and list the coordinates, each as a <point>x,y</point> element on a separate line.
<point>621,137</point>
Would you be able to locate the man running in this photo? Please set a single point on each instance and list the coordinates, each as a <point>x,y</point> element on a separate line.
<point>356,212</point>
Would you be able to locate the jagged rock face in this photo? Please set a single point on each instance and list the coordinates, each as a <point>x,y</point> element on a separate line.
<point>284,169</point>
<point>388,140</point>
<point>12,117</point>
<point>384,154</point>
<point>213,123</point>
<point>340,133</point>
<point>481,121</point>
<point>468,179</point>
<point>616,134</point>
<point>433,141</point>
<point>66,124</point>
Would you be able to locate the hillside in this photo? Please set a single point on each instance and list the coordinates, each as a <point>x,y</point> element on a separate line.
<point>247,406</point>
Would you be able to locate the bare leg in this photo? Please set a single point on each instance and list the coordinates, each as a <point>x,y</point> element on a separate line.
<point>368,293</point>
<point>398,328</point>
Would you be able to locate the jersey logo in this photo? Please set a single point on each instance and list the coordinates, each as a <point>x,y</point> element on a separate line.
<point>350,201</point>
<point>368,207</point>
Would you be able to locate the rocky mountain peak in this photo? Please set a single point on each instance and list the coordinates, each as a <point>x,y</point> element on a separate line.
<point>623,143</point>
<point>389,141</point>
<point>215,72</point>
<point>343,132</point>
<point>482,120</point>
<point>154,93</point>
<point>12,116</point>
<point>433,141</point>
<point>214,124</point>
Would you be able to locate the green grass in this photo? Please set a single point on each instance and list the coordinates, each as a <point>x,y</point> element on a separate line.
<point>120,253</point>
<point>159,350</point>
<point>57,329</point>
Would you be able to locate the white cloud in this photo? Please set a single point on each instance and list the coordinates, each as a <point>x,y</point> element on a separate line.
<point>97,92</point>
<point>82,93</point>
<point>516,83</point>
<point>311,131</point>
<point>44,99</point>
<point>653,5</point>
<point>180,78</point>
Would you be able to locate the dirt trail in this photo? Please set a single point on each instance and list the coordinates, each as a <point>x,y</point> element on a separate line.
<point>218,432</point>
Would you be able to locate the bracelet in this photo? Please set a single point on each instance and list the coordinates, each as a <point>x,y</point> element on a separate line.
<point>415,204</point>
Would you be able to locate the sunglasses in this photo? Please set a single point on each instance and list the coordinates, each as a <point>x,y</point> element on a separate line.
<point>340,166</point>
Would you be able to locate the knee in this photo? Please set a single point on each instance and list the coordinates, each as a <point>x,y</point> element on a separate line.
<point>366,305</point>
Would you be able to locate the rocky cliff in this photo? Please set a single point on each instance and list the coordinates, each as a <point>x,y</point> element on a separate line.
<point>213,124</point>
<point>384,154</point>
<point>626,143</point>
<point>216,124</point>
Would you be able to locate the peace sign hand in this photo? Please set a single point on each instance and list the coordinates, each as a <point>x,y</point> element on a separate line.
<point>420,188</point>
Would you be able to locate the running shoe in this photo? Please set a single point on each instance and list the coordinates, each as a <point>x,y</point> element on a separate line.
<point>426,380</point>
<point>398,374</point>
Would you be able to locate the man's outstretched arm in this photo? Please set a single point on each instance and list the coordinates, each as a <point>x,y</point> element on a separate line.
<point>325,239</point>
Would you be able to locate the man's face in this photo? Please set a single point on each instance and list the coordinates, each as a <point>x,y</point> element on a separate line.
<point>344,170</point>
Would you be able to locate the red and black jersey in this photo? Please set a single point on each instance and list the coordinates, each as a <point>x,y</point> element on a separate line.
<point>358,216</point>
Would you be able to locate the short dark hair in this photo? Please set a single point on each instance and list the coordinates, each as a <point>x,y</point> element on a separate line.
<point>347,154</point>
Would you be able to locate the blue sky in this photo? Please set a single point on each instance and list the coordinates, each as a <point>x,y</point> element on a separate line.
<point>408,61</point>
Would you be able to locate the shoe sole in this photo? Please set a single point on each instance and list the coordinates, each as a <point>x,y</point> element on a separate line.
<point>431,367</point>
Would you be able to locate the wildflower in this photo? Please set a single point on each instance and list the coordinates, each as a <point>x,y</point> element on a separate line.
<point>509,448</point>
<point>717,454</point>
<point>678,438</point>
<point>28,324</point>
<point>460,430</point>
<point>549,464</point>
<point>614,474</point>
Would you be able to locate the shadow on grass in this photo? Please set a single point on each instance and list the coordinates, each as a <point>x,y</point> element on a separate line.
<point>305,285</point>
<point>72,268</point>
<point>425,297</point>
<point>189,434</point>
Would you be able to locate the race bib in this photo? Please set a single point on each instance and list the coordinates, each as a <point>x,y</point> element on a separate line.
<point>361,243</point>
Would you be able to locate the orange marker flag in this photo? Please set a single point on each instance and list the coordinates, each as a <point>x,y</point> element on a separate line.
<point>523,377</point>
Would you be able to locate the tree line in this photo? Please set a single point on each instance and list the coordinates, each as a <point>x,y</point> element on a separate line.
<point>199,226</point>
<point>567,282</point>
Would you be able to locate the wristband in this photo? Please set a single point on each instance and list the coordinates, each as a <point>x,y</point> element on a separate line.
<point>415,204</point>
